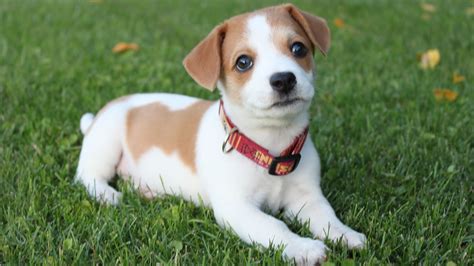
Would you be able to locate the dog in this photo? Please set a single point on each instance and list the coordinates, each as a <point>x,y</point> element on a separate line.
<point>246,156</point>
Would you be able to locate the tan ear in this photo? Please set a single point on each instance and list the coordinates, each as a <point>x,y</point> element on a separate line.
<point>315,27</point>
<point>203,63</point>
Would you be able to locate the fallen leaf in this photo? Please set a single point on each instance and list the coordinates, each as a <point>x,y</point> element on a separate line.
<point>445,94</point>
<point>430,59</point>
<point>339,22</point>
<point>470,11</point>
<point>450,95</point>
<point>122,47</point>
<point>457,78</point>
<point>428,7</point>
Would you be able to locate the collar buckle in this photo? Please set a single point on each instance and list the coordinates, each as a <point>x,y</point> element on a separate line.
<point>283,165</point>
<point>226,149</point>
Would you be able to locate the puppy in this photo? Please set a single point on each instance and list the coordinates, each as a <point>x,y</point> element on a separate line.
<point>247,152</point>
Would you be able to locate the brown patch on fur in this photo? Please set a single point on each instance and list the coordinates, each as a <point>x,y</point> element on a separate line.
<point>154,125</point>
<point>315,27</point>
<point>286,31</point>
<point>203,63</point>
<point>107,106</point>
<point>234,45</point>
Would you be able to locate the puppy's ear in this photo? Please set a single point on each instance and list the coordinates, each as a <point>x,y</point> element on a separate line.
<point>203,63</point>
<point>315,27</point>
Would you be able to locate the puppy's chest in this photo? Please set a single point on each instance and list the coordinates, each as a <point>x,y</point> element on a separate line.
<point>268,192</point>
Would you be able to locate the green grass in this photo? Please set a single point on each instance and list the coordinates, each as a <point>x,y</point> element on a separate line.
<point>397,165</point>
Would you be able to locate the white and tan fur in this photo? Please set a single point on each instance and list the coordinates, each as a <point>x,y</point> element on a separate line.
<point>171,144</point>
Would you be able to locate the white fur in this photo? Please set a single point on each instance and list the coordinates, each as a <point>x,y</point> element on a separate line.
<point>86,122</point>
<point>236,188</point>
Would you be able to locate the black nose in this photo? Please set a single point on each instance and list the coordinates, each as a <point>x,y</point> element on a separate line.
<point>283,82</point>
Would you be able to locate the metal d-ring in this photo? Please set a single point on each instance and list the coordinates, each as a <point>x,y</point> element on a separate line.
<point>224,144</point>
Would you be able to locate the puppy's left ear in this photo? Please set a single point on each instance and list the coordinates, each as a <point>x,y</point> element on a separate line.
<point>203,63</point>
<point>315,27</point>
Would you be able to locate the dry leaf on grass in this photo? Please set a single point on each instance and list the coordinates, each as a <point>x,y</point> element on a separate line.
<point>445,94</point>
<point>470,11</point>
<point>339,22</point>
<point>122,47</point>
<point>450,95</point>
<point>457,78</point>
<point>428,7</point>
<point>430,59</point>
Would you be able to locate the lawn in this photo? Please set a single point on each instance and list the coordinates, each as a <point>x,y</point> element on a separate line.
<point>397,164</point>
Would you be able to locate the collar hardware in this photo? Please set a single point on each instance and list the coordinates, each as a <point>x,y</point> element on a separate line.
<point>280,165</point>
<point>283,165</point>
<point>226,149</point>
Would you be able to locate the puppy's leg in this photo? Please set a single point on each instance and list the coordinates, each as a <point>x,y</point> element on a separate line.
<point>254,226</point>
<point>309,204</point>
<point>100,153</point>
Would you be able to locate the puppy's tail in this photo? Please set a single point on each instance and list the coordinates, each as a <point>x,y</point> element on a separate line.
<point>86,122</point>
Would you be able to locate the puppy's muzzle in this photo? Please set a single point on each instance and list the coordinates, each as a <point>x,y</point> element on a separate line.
<point>283,82</point>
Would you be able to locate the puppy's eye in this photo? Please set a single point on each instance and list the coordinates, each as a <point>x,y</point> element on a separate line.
<point>298,49</point>
<point>244,63</point>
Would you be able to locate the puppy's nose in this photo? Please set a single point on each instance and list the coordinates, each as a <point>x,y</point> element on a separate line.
<point>283,82</point>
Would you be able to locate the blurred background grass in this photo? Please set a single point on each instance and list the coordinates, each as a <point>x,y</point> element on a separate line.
<point>397,165</point>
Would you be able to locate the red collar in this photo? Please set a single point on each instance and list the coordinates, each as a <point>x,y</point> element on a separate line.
<point>280,165</point>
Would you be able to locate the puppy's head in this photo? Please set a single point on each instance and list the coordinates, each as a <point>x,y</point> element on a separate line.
<point>262,61</point>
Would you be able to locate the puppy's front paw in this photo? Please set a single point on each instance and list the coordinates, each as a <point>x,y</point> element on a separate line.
<point>336,231</point>
<point>109,196</point>
<point>306,251</point>
<point>347,236</point>
<point>354,239</point>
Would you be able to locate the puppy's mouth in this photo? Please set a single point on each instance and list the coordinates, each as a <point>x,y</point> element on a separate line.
<point>287,102</point>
